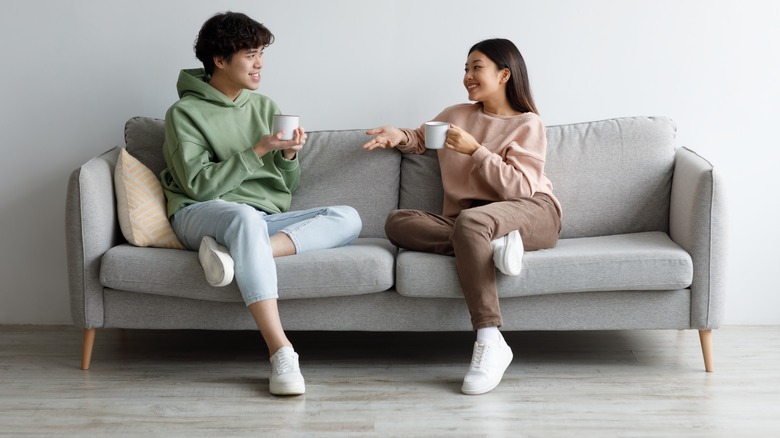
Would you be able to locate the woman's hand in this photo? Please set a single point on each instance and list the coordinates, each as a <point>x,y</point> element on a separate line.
<point>386,137</point>
<point>274,142</point>
<point>460,141</point>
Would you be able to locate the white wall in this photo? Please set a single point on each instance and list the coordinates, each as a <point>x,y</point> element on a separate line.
<point>73,72</point>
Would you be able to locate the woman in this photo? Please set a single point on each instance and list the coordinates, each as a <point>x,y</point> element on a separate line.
<point>498,202</point>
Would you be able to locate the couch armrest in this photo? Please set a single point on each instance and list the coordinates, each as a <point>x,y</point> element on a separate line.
<point>698,224</point>
<point>91,229</point>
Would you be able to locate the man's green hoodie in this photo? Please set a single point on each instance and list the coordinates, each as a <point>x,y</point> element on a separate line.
<point>208,148</point>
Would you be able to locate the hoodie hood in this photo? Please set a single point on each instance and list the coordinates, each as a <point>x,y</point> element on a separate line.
<point>194,82</point>
<point>209,149</point>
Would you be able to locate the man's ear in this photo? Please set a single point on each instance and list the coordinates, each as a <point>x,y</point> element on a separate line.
<point>219,61</point>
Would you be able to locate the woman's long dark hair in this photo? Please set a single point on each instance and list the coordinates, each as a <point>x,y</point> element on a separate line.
<point>506,55</point>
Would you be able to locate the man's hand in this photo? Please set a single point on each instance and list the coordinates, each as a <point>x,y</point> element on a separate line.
<point>274,142</point>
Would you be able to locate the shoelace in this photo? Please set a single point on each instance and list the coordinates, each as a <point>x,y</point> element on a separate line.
<point>480,352</point>
<point>285,363</point>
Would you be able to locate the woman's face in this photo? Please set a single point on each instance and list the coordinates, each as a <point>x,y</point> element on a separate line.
<point>483,80</point>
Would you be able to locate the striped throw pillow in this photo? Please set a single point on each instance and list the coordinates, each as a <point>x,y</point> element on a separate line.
<point>140,205</point>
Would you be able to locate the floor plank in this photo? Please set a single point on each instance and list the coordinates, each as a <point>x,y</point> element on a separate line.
<point>561,384</point>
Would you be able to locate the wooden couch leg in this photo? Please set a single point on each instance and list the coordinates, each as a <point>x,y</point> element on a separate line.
<point>86,349</point>
<point>705,336</point>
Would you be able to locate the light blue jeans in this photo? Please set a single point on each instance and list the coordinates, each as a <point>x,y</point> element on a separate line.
<point>246,232</point>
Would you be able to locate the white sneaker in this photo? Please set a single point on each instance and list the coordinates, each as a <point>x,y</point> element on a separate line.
<point>286,377</point>
<point>488,363</point>
<point>508,253</point>
<point>216,262</point>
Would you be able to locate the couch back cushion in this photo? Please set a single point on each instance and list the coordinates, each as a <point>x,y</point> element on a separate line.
<point>144,137</point>
<point>421,182</point>
<point>335,170</point>
<point>611,177</point>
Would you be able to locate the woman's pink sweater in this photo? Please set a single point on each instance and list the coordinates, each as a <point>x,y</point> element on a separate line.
<point>509,165</point>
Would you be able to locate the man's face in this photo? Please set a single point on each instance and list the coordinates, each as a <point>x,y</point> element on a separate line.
<point>243,69</point>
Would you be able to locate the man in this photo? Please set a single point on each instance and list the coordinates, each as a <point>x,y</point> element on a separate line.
<point>229,181</point>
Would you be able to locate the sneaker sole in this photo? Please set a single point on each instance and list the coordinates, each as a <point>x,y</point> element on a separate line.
<point>209,251</point>
<point>288,389</point>
<point>513,254</point>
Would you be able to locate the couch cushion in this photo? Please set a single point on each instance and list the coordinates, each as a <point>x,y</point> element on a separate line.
<point>335,170</point>
<point>639,261</point>
<point>611,177</point>
<point>144,137</point>
<point>140,205</point>
<point>421,182</point>
<point>363,267</point>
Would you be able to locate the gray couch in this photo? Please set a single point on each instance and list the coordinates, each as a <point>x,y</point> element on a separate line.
<point>642,245</point>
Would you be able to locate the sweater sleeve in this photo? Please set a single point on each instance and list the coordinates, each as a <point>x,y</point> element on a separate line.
<point>195,170</point>
<point>415,141</point>
<point>517,170</point>
<point>290,170</point>
<point>416,137</point>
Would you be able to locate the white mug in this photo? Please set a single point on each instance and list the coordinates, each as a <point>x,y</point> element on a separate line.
<point>286,123</point>
<point>436,134</point>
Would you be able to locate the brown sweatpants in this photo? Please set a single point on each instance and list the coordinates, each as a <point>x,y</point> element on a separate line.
<point>468,236</point>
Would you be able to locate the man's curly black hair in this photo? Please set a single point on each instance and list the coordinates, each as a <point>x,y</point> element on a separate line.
<point>225,34</point>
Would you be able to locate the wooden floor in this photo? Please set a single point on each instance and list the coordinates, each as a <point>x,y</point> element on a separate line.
<point>561,384</point>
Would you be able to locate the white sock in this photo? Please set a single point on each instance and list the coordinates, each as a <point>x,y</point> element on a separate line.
<point>488,335</point>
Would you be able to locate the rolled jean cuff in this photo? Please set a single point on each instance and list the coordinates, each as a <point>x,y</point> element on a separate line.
<point>249,300</point>
<point>292,238</point>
